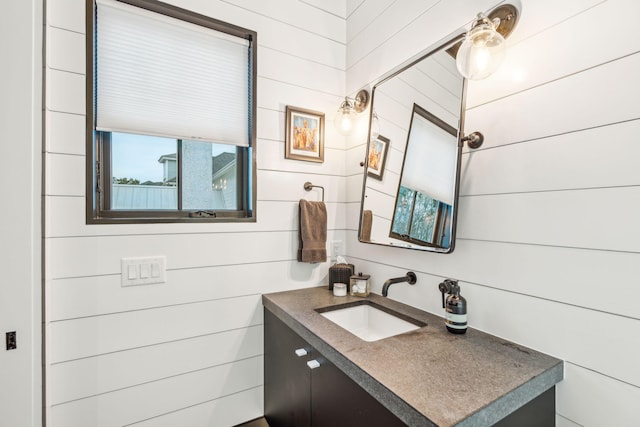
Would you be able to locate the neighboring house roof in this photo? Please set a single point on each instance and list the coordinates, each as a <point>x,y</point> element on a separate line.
<point>219,161</point>
<point>125,196</point>
<point>165,157</point>
<point>222,160</point>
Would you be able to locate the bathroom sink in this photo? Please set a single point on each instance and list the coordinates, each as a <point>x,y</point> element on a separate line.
<point>369,321</point>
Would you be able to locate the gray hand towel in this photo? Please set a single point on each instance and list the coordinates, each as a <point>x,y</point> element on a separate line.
<point>312,231</point>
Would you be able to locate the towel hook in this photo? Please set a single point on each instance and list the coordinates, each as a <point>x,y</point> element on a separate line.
<point>308,186</point>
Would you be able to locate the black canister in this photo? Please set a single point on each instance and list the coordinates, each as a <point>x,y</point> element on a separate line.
<point>340,273</point>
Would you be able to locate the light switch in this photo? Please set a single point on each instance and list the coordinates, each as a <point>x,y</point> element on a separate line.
<point>143,270</point>
<point>336,249</point>
<point>155,269</point>
<point>132,272</point>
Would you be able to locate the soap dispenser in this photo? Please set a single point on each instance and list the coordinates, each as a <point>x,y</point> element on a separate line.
<point>455,307</point>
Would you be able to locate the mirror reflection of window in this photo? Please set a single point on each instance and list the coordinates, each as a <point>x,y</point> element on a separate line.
<point>423,208</point>
<point>425,217</point>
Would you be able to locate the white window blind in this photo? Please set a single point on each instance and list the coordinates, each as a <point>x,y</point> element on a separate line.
<point>430,160</point>
<point>157,75</point>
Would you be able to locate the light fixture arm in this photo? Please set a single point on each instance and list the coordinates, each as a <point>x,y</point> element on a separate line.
<point>483,19</point>
<point>347,104</point>
<point>505,18</point>
<point>474,140</point>
<point>361,101</point>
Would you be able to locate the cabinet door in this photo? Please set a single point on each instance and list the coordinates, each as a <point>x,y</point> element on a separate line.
<point>287,387</point>
<point>339,401</point>
<point>539,412</point>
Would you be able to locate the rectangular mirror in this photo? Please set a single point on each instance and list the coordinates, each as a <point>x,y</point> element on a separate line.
<point>412,165</point>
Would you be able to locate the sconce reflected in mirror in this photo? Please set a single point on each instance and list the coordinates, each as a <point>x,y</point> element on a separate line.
<point>484,46</point>
<point>347,114</point>
<point>374,133</point>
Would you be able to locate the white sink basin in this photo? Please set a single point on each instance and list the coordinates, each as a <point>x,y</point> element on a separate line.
<point>369,323</point>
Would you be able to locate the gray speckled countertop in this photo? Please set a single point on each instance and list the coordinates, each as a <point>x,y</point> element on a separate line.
<point>427,377</point>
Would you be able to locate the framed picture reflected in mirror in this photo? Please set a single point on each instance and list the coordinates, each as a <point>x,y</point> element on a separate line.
<point>378,149</point>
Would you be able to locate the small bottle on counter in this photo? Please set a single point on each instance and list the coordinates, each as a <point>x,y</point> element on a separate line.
<point>360,286</point>
<point>455,306</point>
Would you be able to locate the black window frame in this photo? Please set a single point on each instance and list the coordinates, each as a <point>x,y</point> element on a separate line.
<point>98,146</point>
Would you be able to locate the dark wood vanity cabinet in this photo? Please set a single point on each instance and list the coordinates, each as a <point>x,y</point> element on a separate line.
<point>297,395</point>
<point>287,380</point>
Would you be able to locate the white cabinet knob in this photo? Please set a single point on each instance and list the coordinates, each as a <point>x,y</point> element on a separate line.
<point>313,364</point>
<point>301,352</point>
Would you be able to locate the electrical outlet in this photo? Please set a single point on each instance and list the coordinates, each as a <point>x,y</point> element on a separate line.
<point>12,344</point>
<point>336,249</point>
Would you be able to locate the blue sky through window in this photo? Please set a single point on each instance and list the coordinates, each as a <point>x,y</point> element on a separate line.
<point>136,156</point>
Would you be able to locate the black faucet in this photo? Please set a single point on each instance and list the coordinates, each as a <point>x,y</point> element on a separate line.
<point>409,278</point>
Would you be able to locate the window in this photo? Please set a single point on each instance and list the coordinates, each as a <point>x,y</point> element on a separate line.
<point>171,119</point>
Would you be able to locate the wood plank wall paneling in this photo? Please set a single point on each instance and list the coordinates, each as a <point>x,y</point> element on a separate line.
<point>544,271</point>
<point>378,31</point>
<point>272,215</point>
<point>408,34</point>
<point>335,7</point>
<point>65,133</point>
<point>161,396</point>
<point>77,337</point>
<point>189,351</point>
<point>547,250</point>
<point>228,410</point>
<point>101,295</point>
<point>607,101</point>
<point>113,371</point>
<point>563,29</point>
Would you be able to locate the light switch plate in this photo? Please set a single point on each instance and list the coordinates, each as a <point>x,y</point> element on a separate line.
<point>336,249</point>
<point>143,270</point>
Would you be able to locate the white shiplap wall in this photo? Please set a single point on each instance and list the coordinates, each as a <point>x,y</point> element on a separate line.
<point>540,259</point>
<point>547,250</point>
<point>187,352</point>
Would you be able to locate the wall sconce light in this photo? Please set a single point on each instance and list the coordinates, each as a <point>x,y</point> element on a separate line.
<point>348,111</point>
<point>484,44</point>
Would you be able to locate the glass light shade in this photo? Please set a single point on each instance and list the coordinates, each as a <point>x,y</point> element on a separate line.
<point>481,52</point>
<point>345,119</point>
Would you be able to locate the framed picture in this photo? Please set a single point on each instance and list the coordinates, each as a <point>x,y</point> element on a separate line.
<point>304,139</point>
<point>378,157</point>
